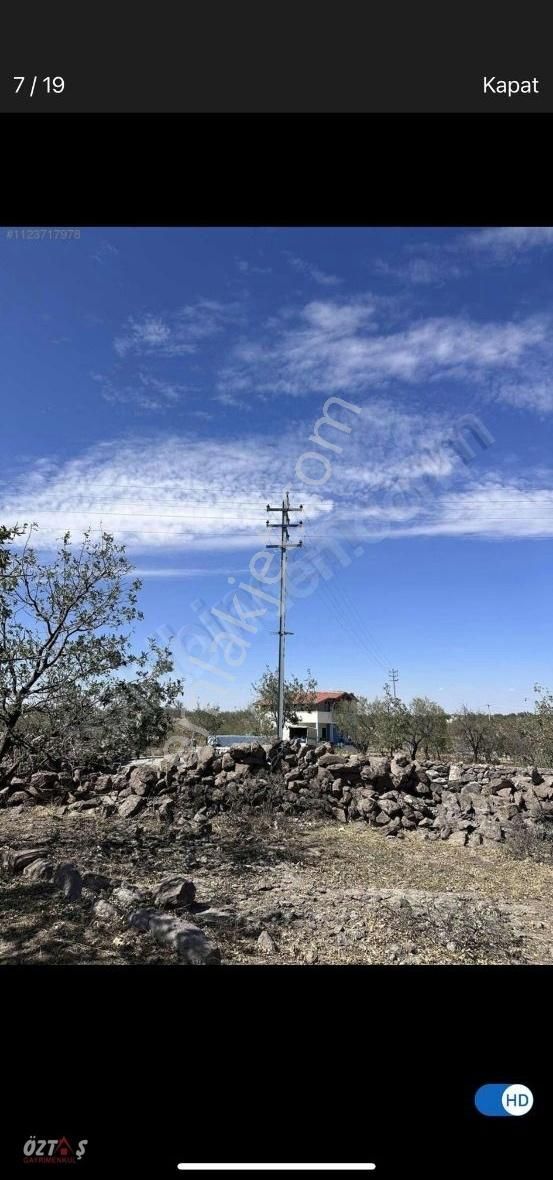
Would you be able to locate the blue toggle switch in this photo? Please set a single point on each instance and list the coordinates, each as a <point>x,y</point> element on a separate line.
<point>499,1099</point>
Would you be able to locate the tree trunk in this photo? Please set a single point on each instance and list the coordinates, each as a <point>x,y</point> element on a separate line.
<point>7,742</point>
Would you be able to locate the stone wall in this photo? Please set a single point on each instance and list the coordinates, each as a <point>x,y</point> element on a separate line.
<point>467,804</point>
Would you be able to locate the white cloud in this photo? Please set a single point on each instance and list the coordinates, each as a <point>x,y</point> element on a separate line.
<point>342,346</point>
<point>532,393</point>
<point>145,391</point>
<point>432,270</point>
<point>106,252</point>
<point>395,474</point>
<point>311,271</point>
<point>230,399</point>
<point>164,493</point>
<point>250,268</point>
<point>492,511</point>
<point>506,242</point>
<point>175,333</point>
<point>189,495</point>
<point>436,263</point>
<point>169,571</point>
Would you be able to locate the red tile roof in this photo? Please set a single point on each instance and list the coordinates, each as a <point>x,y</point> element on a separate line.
<point>318,698</point>
<point>333,696</point>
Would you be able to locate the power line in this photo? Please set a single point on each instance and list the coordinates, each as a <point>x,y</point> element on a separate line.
<point>349,623</point>
<point>141,487</point>
<point>355,622</point>
<point>394,677</point>
<point>100,511</point>
<point>378,651</point>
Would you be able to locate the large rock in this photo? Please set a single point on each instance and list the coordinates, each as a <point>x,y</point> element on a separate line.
<point>390,805</point>
<point>45,781</point>
<point>490,829</point>
<point>104,782</point>
<point>327,759</point>
<point>143,779</point>
<point>119,782</point>
<point>364,803</point>
<point>188,761</point>
<point>205,757</point>
<point>96,882</point>
<point>190,943</point>
<point>458,837</point>
<point>348,770</point>
<point>266,944</point>
<point>69,880</point>
<point>104,911</point>
<point>13,861</point>
<point>165,810</point>
<point>39,870</point>
<point>455,772</point>
<point>131,806</point>
<point>19,798</point>
<point>126,896</point>
<point>294,775</point>
<point>16,783</point>
<point>175,892</point>
<point>545,791</point>
<point>377,773</point>
<point>323,748</point>
<point>402,771</point>
<point>249,754</point>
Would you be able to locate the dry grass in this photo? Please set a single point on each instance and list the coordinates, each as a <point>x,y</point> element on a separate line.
<point>326,893</point>
<point>414,863</point>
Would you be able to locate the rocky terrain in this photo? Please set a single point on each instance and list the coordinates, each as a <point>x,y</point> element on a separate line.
<point>468,804</point>
<point>269,854</point>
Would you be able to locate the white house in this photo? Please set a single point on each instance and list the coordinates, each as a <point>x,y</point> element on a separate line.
<point>317,723</point>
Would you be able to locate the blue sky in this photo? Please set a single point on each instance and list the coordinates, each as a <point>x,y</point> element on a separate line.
<point>164,384</point>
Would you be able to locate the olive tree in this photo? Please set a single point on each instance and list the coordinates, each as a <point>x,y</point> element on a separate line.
<point>298,695</point>
<point>472,732</point>
<point>544,723</point>
<point>426,726</point>
<point>64,635</point>
<point>380,724</point>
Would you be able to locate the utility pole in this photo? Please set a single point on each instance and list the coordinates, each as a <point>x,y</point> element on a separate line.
<point>284,545</point>
<point>394,677</point>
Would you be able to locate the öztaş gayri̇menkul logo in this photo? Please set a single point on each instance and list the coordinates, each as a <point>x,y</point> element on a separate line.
<point>52,1151</point>
<point>499,1099</point>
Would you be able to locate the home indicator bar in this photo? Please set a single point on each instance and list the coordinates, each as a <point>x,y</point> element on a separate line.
<point>276,1167</point>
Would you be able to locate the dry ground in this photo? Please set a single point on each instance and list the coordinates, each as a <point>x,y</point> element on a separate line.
<point>323,892</point>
